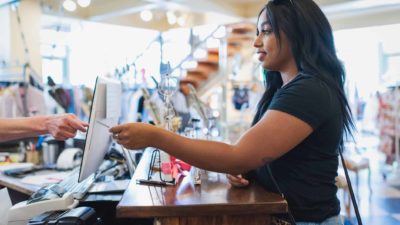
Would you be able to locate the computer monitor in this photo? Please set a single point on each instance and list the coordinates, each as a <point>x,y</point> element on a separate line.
<point>104,113</point>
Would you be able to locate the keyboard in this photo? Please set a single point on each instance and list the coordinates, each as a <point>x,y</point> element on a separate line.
<point>78,190</point>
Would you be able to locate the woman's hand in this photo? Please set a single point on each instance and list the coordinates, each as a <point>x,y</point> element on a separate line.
<point>134,135</point>
<point>237,180</point>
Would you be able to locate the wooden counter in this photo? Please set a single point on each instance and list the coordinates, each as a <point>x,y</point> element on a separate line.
<point>212,202</point>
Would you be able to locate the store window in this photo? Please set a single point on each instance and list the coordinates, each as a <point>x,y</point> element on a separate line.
<point>76,52</point>
<point>54,52</point>
<point>390,63</point>
<point>54,68</point>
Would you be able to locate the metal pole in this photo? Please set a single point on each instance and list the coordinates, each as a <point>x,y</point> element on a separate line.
<point>223,61</point>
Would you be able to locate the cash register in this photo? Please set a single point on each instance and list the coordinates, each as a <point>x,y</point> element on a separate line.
<point>105,112</point>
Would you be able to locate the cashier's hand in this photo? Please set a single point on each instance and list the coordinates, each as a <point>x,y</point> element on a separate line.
<point>64,126</point>
<point>237,180</point>
<point>134,135</point>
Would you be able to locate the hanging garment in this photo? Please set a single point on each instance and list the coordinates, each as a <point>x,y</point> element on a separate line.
<point>11,102</point>
<point>130,110</point>
<point>388,103</point>
<point>36,104</point>
<point>240,97</point>
<point>14,98</point>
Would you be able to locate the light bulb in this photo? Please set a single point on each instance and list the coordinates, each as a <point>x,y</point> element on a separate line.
<point>146,15</point>
<point>84,3</point>
<point>69,5</point>
<point>181,21</point>
<point>171,18</point>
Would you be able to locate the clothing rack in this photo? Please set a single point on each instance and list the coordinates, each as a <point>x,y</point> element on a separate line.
<point>25,75</point>
<point>393,89</point>
<point>396,130</point>
<point>12,75</point>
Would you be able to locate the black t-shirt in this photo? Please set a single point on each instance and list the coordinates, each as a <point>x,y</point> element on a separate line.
<point>306,174</point>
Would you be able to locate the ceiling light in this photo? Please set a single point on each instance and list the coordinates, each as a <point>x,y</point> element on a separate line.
<point>84,3</point>
<point>181,21</point>
<point>69,5</point>
<point>146,15</point>
<point>171,18</point>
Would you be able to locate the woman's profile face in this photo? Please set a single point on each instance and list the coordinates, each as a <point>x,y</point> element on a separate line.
<point>270,54</point>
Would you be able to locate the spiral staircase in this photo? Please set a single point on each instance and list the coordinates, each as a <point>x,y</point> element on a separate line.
<point>207,73</point>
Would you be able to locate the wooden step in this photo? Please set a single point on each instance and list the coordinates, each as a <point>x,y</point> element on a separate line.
<point>197,74</point>
<point>234,45</point>
<point>191,80</point>
<point>212,65</point>
<point>207,67</point>
<point>231,51</point>
<point>213,51</point>
<point>199,70</point>
<point>211,58</point>
<point>184,88</point>
<point>241,28</point>
<point>240,39</point>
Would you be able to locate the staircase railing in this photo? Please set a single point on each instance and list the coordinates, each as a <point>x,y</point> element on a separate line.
<point>189,56</point>
<point>119,71</point>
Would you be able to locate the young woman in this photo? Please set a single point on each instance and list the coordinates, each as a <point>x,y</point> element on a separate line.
<point>300,123</point>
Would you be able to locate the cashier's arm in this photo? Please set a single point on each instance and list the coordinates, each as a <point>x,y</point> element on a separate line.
<point>273,136</point>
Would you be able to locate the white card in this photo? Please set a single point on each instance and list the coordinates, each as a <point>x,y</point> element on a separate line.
<point>113,108</point>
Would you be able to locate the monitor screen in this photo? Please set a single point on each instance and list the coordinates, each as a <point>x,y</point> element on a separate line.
<point>104,113</point>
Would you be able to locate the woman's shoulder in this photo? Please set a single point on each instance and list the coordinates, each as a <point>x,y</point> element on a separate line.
<point>306,86</point>
<point>309,78</point>
<point>308,82</point>
<point>307,98</point>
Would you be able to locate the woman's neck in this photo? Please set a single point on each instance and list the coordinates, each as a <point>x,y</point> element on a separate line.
<point>288,76</point>
<point>289,73</point>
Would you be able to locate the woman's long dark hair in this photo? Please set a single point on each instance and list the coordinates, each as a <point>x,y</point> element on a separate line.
<point>311,41</point>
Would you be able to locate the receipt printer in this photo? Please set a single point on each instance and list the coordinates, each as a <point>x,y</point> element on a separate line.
<point>77,216</point>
